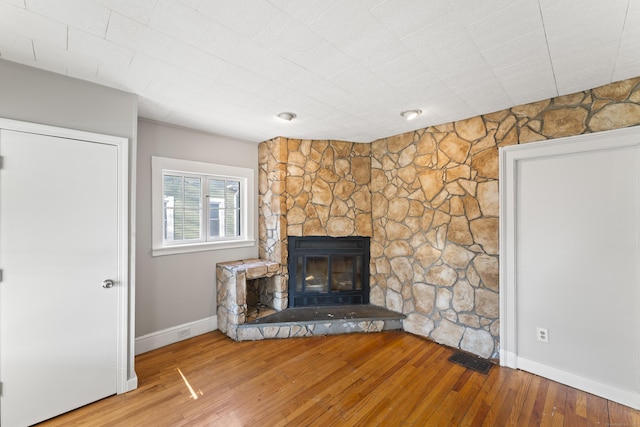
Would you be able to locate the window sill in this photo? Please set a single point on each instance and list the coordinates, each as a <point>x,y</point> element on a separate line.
<point>201,247</point>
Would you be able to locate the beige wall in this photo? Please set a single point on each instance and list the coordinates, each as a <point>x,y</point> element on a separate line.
<point>173,290</point>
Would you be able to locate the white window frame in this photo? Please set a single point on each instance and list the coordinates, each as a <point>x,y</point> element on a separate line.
<point>161,165</point>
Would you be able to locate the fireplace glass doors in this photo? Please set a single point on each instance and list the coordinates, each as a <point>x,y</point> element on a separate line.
<point>328,271</point>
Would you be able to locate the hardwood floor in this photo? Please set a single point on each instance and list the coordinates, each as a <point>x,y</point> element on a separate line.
<point>385,379</point>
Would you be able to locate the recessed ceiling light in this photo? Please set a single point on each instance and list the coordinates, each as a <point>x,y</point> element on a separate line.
<point>411,114</point>
<point>287,116</point>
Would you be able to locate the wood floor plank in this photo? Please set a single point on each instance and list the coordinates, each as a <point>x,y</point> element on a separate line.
<point>381,379</point>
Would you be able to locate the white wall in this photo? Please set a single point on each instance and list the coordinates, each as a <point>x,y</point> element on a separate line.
<point>37,96</point>
<point>570,262</point>
<point>174,290</point>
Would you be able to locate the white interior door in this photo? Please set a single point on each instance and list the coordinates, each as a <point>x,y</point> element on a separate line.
<point>59,240</point>
<point>570,262</point>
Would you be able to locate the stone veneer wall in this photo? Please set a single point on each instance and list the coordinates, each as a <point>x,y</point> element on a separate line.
<point>435,210</point>
<point>433,204</point>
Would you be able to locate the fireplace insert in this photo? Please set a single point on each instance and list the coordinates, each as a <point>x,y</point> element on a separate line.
<point>328,271</point>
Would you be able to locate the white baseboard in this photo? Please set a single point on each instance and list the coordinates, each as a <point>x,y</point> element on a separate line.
<point>624,397</point>
<point>175,334</point>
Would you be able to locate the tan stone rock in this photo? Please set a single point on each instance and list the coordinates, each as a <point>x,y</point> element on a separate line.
<point>441,275</point>
<point>378,180</point>
<point>296,158</point>
<point>426,144</point>
<point>398,209</point>
<point>459,231</point>
<point>635,97</point>
<point>469,186</point>
<point>415,208</point>
<point>383,266</point>
<point>407,174</point>
<point>340,226</point>
<point>463,297</point>
<point>431,182</point>
<point>471,129</point>
<point>398,248</point>
<point>485,233</point>
<point>322,194</point>
<point>294,171</point>
<point>418,324</point>
<point>457,206</point>
<point>424,161</point>
<point>454,188</point>
<point>529,135</point>
<point>567,100</point>
<point>487,303</point>
<point>379,206</point>
<point>456,256</point>
<point>424,297</point>
<point>478,342</point>
<point>323,214</point>
<point>443,298</point>
<point>363,225</point>
<point>343,167</point>
<point>398,143</point>
<point>488,198</point>
<point>342,149</point>
<point>486,163</point>
<point>338,208</point>
<point>505,126</point>
<point>292,230</point>
<point>448,333</point>
<point>407,155</point>
<point>313,227</point>
<point>296,216</point>
<point>615,116</point>
<point>471,207</point>
<point>427,255</point>
<point>440,218</point>
<point>395,231</point>
<point>302,199</point>
<point>294,185</point>
<point>531,110</point>
<point>344,189</point>
<point>401,267</point>
<point>328,175</point>
<point>510,139</point>
<point>457,172</point>
<point>454,148</point>
<point>361,170</point>
<point>600,103</point>
<point>498,116</point>
<point>564,122</point>
<point>362,199</point>
<point>488,269</point>
<point>484,143</point>
<point>618,91</point>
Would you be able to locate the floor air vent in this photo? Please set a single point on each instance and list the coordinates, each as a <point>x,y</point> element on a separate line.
<point>472,362</point>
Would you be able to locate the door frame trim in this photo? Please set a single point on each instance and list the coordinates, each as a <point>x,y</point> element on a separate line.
<point>508,195</point>
<point>124,352</point>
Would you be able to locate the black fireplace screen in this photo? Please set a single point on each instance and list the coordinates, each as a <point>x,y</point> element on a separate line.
<point>328,271</point>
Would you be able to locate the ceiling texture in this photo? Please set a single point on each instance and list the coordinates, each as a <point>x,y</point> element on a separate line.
<point>346,68</point>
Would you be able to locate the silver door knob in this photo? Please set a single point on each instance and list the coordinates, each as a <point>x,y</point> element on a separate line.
<point>107,284</point>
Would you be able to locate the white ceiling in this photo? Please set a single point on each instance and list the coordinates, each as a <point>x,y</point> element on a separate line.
<point>346,68</point>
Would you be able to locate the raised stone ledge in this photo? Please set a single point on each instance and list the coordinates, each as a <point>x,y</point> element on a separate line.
<point>254,268</point>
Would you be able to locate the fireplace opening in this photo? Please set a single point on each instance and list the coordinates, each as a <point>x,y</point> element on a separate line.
<point>258,304</point>
<point>328,271</point>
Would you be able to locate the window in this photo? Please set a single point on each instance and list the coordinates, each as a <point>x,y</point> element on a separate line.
<point>200,206</point>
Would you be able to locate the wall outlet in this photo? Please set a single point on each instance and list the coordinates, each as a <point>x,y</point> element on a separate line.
<point>542,334</point>
<point>183,333</point>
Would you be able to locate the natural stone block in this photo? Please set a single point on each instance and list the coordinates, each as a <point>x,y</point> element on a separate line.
<point>398,209</point>
<point>443,298</point>
<point>488,269</point>
<point>401,267</point>
<point>486,163</point>
<point>397,143</point>
<point>488,197</point>
<point>487,303</point>
<point>485,233</point>
<point>618,91</point>
<point>529,135</point>
<point>321,193</point>
<point>469,320</point>
<point>615,116</point>
<point>564,122</point>
<point>340,227</point>
<point>459,231</point>
<point>441,275</point>
<point>431,182</point>
<point>531,110</point>
<point>457,172</point>
<point>363,225</point>
<point>394,301</point>
<point>463,297</point>
<point>398,248</point>
<point>471,129</point>
<point>418,324</point>
<point>456,256</point>
<point>427,255</point>
<point>455,148</point>
<point>477,341</point>
<point>361,170</point>
<point>395,230</point>
<point>448,333</point>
